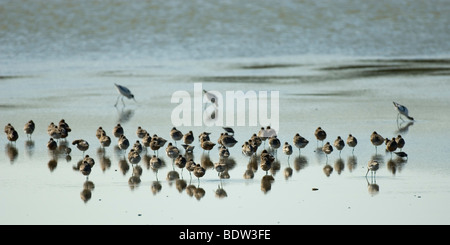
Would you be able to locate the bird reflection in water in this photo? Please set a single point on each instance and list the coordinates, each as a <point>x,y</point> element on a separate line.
<point>339,165</point>
<point>372,187</point>
<point>11,152</point>
<point>180,184</point>
<point>155,187</point>
<point>372,167</point>
<point>123,116</point>
<point>276,166</point>
<point>319,154</point>
<point>104,160</point>
<point>199,193</point>
<point>172,176</point>
<point>124,166</point>
<point>195,191</point>
<point>253,163</point>
<point>206,162</point>
<point>266,183</point>
<point>352,162</point>
<point>378,158</point>
<point>52,164</point>
<point>395,165</point>
<point>29,147</point>
<point>300,162</point>
<point>86,193</point>
<point>288,172</point>
<point>135,178</point>
<point>403,127</point>
<point>220,192</point>
<point>190,189</point>
<point>327,170</point>
<point>155,163</point>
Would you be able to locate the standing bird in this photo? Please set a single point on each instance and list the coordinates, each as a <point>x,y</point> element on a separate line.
<point>172,151</point>
<point>256,140</point>
<point>327,148</point>
<point>29,128</point>
<point>320,134</point>
<point>82,145</point>
<point>146,140</point>
<point>180,161</point>
<point>12,135</point>
<point>207,145</point>
<point>352,142</point>
<point>266,160</point>
<point>176,135</point>
<point>299,141</point>
<point>188,138</point>
<point>124,92</point>
<point>391,145</point>
<point>123,142</point>
<point>287,149</point>
<point>227,140</point>
<point>133,156</point>
<point>138,147</point>
<point>274,142</point>
<point>339,144</point>
<point>8,128</point>
<point>262,135</point>
<point>140,132</point>
<point>223,152</point>
<point>64,128</point>
<point>247,149</point>
<point>105,140</point>
<point>400,142</point>
<point>99,132</point>
<point>155,163</point>
<point>52,145</point>
<point>372,166</point>
<point>376,140</point>
<point>190,166</point>
<point>118,130</point>
<point>199,172</point>
<point>402,110</point>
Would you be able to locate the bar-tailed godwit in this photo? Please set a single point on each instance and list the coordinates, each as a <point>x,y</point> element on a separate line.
<point>352,142</point>
<point>299,141</point>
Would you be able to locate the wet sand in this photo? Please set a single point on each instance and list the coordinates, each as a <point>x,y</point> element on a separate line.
<point>342,95</point>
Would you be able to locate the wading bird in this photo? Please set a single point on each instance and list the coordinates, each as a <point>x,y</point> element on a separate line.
<point>124,92</point>
<point>372,166</point>
<point>402,110</point>
<point>352,142</point>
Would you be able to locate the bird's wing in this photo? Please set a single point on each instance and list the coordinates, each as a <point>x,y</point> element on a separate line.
<point>122,88</point>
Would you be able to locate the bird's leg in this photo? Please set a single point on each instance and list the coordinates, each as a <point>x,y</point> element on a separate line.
<point>115,105</point>
<point>123,102</point>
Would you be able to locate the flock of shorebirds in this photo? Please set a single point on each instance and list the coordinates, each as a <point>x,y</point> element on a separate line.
<point>225,141</point>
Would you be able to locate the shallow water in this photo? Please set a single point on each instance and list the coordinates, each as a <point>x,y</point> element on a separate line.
<point>64,66</point>
<point>42,191</point>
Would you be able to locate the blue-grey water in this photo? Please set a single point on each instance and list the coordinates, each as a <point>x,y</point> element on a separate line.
<point>336,64</point>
